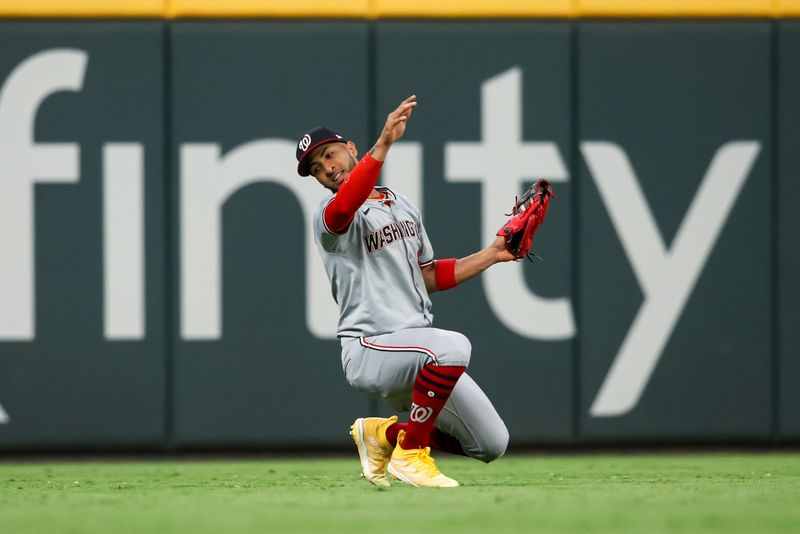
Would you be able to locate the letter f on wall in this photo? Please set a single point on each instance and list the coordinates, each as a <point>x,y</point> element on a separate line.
<point>667,276</point>
<point>23,163</point>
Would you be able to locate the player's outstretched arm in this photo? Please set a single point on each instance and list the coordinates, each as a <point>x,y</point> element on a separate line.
<point>394,128</point>
<point>358,186</point>
<point>465,268</point>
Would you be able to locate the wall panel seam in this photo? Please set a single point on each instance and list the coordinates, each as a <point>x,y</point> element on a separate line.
<point>774,224</point>
<point>168,302</point>
<point>577,397</point>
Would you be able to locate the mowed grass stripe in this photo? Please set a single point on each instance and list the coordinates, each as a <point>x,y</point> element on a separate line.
<point>647,493</point>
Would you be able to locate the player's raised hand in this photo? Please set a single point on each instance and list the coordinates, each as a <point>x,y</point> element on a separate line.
<point>396,121</point>
<point>394,128</point>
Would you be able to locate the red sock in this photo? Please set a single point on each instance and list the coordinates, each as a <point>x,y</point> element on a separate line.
<point>393,430</point>
<point>445,443</point>
<point>432,388</point>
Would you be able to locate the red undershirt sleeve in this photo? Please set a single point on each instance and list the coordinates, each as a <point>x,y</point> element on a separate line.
<point>352,194</point>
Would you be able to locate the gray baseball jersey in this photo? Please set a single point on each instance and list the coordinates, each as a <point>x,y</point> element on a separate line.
<point>374,267</point>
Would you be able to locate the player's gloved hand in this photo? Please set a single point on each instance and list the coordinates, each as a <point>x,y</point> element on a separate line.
<point>527,214</point>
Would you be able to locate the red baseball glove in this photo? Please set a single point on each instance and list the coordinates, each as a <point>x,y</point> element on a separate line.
<point>526,216</point>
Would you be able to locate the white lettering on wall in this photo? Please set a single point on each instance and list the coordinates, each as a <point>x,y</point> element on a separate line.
<point>667,276</point>
<point>207,180</point>
<point>402,171</point>
<point>501,162</point>
<point>123,241</point>
<point>24,163</point>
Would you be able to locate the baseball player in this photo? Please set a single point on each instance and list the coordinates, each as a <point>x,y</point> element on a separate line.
<point>382,269</point>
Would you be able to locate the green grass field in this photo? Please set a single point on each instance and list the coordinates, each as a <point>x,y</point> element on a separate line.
<point>582,493</point>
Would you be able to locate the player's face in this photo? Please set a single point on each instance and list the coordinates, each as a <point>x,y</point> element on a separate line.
<point>331,164</point>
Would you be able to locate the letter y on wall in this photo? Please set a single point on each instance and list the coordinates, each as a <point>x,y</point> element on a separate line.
<point>667,276</point>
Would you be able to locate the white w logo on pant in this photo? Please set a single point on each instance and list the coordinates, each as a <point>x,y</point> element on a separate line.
<point>419,414</point>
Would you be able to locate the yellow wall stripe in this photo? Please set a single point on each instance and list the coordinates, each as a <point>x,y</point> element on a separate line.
<point>474,8</point>
<point>270,8</point>
<point>371,9</point>
<point>82,8</point>
<point>676,8</point>
<point>787,7</point>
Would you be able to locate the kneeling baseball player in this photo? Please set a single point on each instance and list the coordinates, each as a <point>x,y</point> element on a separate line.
<point>381,268</point>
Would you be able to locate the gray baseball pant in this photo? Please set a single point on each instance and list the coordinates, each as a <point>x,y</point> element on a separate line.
<point>385,367</point>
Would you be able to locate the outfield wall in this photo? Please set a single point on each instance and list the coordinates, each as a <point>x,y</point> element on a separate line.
<point>158,283</point>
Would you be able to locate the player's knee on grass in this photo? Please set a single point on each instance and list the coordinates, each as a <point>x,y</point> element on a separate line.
<point>493,446</point>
